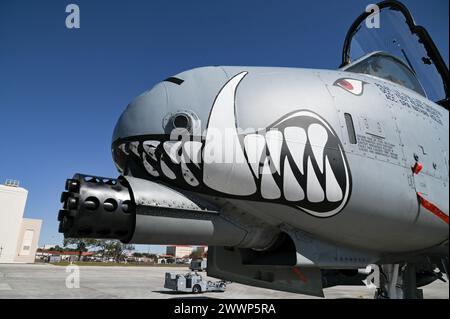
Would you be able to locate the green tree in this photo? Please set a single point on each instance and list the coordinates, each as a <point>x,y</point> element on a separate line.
<point>114,249</point>
<point>81,244</point>
<point>59,248</point>
<point>107,248</point>
<point>154,257</point>
<point>196,254</point>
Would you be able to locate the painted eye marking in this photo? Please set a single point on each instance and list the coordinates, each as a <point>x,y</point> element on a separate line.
<point>355,87</point>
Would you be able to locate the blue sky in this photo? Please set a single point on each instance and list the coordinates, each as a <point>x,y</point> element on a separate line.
<point>61,90</point>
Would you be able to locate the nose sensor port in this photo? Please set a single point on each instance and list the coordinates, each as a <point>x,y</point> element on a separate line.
<point>181,120</point>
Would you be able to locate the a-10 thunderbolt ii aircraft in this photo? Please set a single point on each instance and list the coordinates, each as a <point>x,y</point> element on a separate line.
<point>296,179</point>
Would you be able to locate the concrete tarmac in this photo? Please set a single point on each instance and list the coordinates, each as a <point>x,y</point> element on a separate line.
<point>48,281</point>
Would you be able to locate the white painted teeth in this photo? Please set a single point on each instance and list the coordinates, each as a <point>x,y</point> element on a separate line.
<point>296,140</point>
<point>255,145</point>
<point>269,189</point>
<point>167,171</point>
<point>333,190</point>
<point>123,148</point>
<point>172,149</point>
<point>188,176</point>
<point>274,139</point>
<point>150,148</point>
<point>318,138</point>
<point>314,191</point>
<point>255,149</point>
<point>235,175</point>
<point>293,192</point>
<point>134,148</point>
<point>149,168</point>
<point>192,150</point>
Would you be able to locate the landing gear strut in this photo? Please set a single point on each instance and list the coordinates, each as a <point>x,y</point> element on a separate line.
<point>398,281</point>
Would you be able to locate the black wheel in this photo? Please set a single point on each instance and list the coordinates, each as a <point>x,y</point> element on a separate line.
<point>197,289</point>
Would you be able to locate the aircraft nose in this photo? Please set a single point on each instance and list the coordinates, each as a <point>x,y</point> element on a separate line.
<point>182,101</point>
<point>143,114</point>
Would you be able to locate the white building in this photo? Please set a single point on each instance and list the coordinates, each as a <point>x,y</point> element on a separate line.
<point>179,251</point>
<point>18,236</point>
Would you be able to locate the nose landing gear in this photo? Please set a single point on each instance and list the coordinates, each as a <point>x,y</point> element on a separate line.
<point>400,281</point>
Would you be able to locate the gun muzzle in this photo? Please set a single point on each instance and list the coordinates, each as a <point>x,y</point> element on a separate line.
<point>139,211</point>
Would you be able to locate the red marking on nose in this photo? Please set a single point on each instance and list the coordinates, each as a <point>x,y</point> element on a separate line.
<point>417,168</point>
<point>346,85</point>
<point>432,208</point>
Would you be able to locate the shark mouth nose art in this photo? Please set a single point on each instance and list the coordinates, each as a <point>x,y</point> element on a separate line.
<point>297,161</point>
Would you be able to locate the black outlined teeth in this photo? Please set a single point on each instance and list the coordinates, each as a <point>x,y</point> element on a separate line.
<point>297,161</point>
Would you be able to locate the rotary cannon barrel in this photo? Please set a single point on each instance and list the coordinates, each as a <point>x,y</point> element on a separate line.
<point>140,211</point>
<point>96,207</point>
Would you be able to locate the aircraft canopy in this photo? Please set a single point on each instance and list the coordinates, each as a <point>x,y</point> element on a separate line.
<point>396,45</point>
